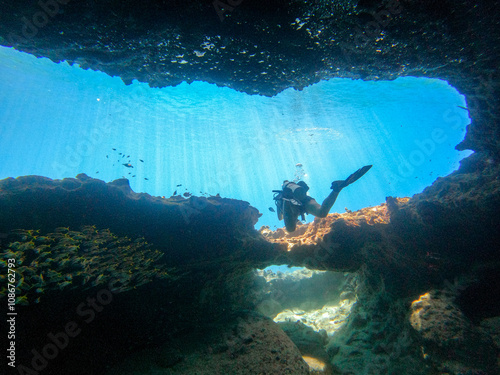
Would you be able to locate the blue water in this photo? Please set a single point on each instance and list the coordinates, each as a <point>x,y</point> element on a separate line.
<point>58,120</point>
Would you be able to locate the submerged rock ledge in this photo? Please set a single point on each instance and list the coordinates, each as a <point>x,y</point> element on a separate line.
<point>189,230</point>
<point>441,242</point>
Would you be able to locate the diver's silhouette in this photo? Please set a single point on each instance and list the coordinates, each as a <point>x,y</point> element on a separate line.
<point>292,201</point>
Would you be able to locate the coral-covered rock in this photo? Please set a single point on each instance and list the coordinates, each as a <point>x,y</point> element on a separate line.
<point>188,229</point>
<point>247,345</point>
<point>449,340</point>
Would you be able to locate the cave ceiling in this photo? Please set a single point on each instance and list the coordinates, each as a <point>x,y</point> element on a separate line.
<point>264,47</point>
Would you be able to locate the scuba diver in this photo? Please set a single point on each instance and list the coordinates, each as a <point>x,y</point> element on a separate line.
<point>293,200</point>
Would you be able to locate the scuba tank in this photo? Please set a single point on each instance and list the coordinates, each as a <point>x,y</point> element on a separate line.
<point>298,191</point>
<point>292,193</point>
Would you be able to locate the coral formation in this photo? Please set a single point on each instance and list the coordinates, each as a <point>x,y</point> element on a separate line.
<point>313,233</point>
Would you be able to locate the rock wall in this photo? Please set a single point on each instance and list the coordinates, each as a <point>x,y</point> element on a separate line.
<point>202,252</point>
<point>439,245</point>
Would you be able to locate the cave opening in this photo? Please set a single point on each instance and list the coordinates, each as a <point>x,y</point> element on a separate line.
<point>310,306</point>
<point>199,139</point>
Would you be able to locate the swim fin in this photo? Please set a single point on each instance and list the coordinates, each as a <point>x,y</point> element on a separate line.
<point>338,185</point>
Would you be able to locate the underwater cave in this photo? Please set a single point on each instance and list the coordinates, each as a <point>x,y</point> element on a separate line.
<point>198,139</point>
<point>140,147</point>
